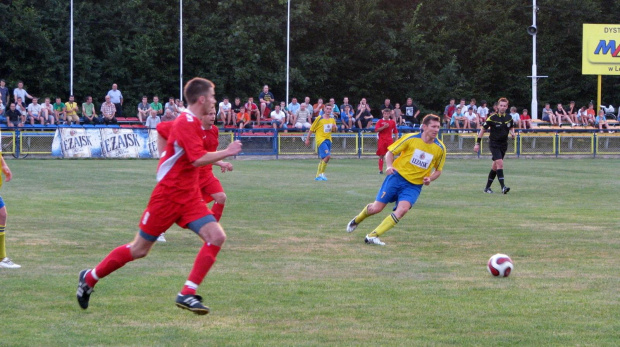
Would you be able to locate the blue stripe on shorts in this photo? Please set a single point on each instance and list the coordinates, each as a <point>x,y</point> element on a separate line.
<point>1,202</point>
<point>395,189</point>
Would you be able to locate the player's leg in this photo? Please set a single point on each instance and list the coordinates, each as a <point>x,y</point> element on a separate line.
<point>366,212</point>
<point>218,205</point>
<point>5,262</point>
<point>214,237</point>
<point>499,164</point>
<point>388,223</point>
<point>386,194</point>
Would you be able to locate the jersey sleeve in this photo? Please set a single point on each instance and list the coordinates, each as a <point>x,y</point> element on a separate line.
<point>394,129</point>
<point>188,134</point>
<point>486,124</point>
<point>399,145</point>
<point>442,158</point>
<point>315,124</point>
<point>163,129</point>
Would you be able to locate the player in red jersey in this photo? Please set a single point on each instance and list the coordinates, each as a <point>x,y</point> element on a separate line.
<point>385,127</point>
<point>210,186</point>
<point>175,199</point>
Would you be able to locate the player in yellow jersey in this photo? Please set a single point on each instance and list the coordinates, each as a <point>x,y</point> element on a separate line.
<point>5,262</point>
<point>421,157</point>
<point>323,127</point>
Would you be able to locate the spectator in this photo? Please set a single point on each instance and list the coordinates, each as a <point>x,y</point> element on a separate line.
<point>302,117</point>
<point>236,106</point>
<point>2,108</point>
<point>347,117</point>
<point>335,109</point>
<point>601,122</point>
<point>157,106</point>
<point>19,105</point>
<point>59,111</point>
<point>278,119</point>
<point>266,100</point>
<point>88,112</point>
<point>71,111</point>
<point>410,112</point>
<point>34,112</point>
<point>317,108</point>
<point>225,112</point>
<point>363,117</point>
<point>169,116</point>
<point>116,97</point>
<point>170,105</point>
<point>243,118</point>
<point>397,115</point>
<point>472,104</point>
<point>108,111</point>
<point>525,121</point>
<point>572,111</point>
<point>458,118</point>
<point>363,104</point>
<point>548,115</point>
<point>560,113</point>
<point>144,109</point>
<point>180,107</point>
<point>20,92</point>
<point>252,109</point>
<point>293,108</point>
<point>472,118</point>
<point>152,120</point>
<point>515,116</point>
<point>13,117</point>
<point>590,114</point>
<point>584,118</point>
<point>387,104</point>
<point>345,102</point>
<point>483,111</point>
<point>4,93</point>
<point>47,111</point>
<point>448,112</point>
<point>287,113</point>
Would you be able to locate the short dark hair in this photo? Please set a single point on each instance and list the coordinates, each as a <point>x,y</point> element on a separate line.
<point>195,88</point>
<point>430,118</point>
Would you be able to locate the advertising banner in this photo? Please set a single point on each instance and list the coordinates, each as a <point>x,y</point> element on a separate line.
<point>105,143</point>
<point>601,49</point>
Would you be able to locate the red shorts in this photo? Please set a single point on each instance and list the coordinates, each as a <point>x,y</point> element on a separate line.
<point>210,186</point>
<point>161,213</point>
<point>382,146</point>
<point>525,117</point>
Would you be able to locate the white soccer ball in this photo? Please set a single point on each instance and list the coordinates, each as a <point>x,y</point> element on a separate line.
<point>500,265</point>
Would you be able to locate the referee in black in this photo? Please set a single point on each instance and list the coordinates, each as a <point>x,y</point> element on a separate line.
<point>499,125</point>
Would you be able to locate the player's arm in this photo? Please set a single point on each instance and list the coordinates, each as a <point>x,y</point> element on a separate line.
<point>224,165</point>
<point>312,129</point>
<point>479,140</point>
<point>384,126</point>
<point>212,157</point>
<point>389,160</point>
<point>5,169</point>
<point>435,175</point>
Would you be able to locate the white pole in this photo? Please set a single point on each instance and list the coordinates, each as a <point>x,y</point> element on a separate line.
<point>288,46</point>
<point>71,63</point>
<point>534,110</point>
<point>181,49</point>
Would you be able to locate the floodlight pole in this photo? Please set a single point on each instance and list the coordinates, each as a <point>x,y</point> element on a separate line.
<point>534,110</point>
<point>181,50</point>
<point>288,45</point>
<point>71,62</point>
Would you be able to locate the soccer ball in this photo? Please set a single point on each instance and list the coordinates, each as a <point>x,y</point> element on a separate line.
<point>500,265</point>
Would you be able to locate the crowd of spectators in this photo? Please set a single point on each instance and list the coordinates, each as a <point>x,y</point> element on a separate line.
<point>268,113</point>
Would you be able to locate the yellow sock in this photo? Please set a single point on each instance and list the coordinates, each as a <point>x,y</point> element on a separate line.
<point>318,171</point>
<point>388,223</point>
<point>324,166</point>
<point>363,215</point>
<point>2,243</point>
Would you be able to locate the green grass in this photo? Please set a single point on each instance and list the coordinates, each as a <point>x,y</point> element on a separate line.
<point>290,275</point>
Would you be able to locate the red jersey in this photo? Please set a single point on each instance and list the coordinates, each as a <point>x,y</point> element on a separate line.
<point>176,175</point>
<point>386,134</point>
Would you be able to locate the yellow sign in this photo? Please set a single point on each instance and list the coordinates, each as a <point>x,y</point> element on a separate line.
<point>601,49</point>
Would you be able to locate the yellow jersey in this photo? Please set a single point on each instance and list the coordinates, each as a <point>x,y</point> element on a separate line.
<point>417,159</point>
<point>323,129</point>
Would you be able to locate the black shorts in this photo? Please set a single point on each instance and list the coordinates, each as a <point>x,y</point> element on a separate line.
<point>498,150</point>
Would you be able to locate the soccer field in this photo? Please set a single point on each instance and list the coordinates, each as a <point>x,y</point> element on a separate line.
<point>289,274</point>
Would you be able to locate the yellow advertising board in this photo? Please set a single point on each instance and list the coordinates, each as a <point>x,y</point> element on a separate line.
<point>601,49</point>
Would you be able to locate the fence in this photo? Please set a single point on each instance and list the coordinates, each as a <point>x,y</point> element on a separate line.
<point>24,142</point>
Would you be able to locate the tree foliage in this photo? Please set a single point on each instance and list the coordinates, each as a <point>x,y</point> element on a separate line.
<point>428,50</point>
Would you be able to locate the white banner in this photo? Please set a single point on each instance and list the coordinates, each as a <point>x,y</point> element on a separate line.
<point>105,143</point>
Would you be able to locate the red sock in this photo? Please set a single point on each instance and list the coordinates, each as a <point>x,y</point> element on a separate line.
<point>204,260</point>
<point>217,210</point>
<point>381,164</point>
<point>115,260</point>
